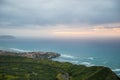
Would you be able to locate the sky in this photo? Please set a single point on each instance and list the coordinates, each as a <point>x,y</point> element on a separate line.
<point>60,18</point>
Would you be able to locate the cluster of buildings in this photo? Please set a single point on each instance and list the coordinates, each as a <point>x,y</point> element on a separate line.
<point>35,55</point>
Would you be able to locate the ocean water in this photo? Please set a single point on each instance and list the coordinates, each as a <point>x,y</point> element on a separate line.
<point>89,52</point>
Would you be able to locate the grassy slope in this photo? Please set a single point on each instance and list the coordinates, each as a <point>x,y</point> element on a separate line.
<point>20,68</point>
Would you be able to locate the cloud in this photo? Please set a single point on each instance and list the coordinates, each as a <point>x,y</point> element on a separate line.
<point>90,33</point>
<point>52,12</point>
<point>60,18</point>
<point>65,31</point>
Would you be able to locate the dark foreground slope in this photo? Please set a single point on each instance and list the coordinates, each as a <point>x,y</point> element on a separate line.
<point>21,68</point>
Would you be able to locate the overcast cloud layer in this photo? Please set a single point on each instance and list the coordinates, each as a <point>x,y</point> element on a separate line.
<point>52,12</point>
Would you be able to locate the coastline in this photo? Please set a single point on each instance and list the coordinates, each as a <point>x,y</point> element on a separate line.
<point>18,67</point>
<point>34,55</point>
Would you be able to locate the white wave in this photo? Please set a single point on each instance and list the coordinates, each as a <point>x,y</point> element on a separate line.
<point>17,50</point>
<point>65,60</point>
<point>118,74</point>
<point>67,56</point>
<point>75,62</point>
<point>90,58</point>
<point>87,63</point>
<point>116,70</point>
<point>105,62</point>
<point>70,61</point>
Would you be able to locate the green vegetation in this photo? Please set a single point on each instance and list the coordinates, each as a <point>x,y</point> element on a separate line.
<point>21,68</point>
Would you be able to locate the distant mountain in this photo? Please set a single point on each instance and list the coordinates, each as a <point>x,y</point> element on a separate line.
<point>7,37</point>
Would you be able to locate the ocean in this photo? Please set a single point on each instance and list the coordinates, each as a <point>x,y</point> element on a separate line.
<point>89,52</point>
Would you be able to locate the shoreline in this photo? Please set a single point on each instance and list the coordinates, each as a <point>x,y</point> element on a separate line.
<point>61,69</point>
<point>41,55</point>
<point>34,55</point>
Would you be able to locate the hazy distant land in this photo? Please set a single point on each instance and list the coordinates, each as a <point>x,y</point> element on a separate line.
<point>7,37</point>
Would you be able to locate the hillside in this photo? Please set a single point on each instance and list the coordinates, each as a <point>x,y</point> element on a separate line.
<point>22,68</point>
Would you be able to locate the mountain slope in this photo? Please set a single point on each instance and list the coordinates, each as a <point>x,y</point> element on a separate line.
<point>21,68</point>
